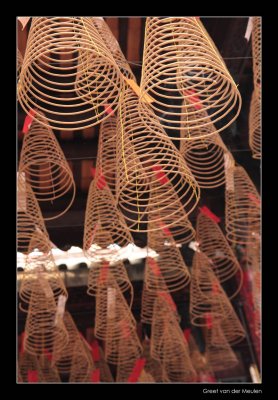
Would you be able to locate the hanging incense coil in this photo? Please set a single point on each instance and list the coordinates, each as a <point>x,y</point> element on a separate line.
<point>182,68</point>
<point>242,209</point>
<point>113,46</point>
<point>111,307</point>
<point>205,156</point>
<point>68,73</point>
<point>124,346</point>
<point>45,166</point>
<point>182,230</point>
<point>43,327</point>
<point>209,305</point>
<point>214,244</point>
<point>105,373</point>
<point>169,346</point>
<point>169,269</point>
<point>42,277</point>
<point>119,273</point>
<point>153,367</point>
<point>30,221</point>
<point>146,158</point>
<point>49,371</point>
<point>256,53</point>
<point>82,363</point>
<point>104,223</point>
<point>29,362</point>
<point>198,360</point>
<point>63,357</point>
<point>106,158</point>
<point>255,126</point>
<point>219,353</point>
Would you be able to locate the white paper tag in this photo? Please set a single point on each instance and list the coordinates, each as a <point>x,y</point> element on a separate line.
<point>60,308</point>
<point>249,29</point>
<point>101,18</point>
<point>111,298</point>
<point>229,172</point>
<point>194,246</point>
<point>21,195</point>
<point>219,253</point>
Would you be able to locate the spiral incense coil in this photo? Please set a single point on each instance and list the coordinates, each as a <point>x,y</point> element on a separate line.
<point>105,373</point>
<point>63,357</point>
<point>182,68</point>
<point>30,221</point>
<point>45,166</point>
<point>256,53</point>
<point>169,268</point>
<point>199,361</point>
<point>153,367</point>
<point>209,303</point>
<point>42,327</point>
<point>146,159</point>
<point>42,277</point>
<point>28,362</point>
<point>169,346</point>
<point>106,158</point>
<point>205,158</point>
<point>82,363</point>
<point>50,372</point>
<point>72,93</point>
<point>220,356</point>
<point>255,126</point>
<point>118,271</point>
<point>182,231</point>
<point>113,46</point>
<point>124,346</point>
<point>215,246</point>
<point>104,224</point>
<point>112,309</point>
<point>242,209</point>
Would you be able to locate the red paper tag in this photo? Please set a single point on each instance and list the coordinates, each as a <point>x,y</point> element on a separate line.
<point>168,299</point>
<point>32,376</point>
<point>254,198</point>
<point>154,266</point>
<point>193,98</point>
<point>165,229</point>
<point>95,376</point>
<point>208,320</point>
<point>205,210</point>
<point>161,177</point>
<point>186,333</point>
<point>137,369</point>
<point>101,182</point>
<point>103,272</point>
<point>28,121</point>
<point>95,350</point>
<point>108,109</point>
<point>48,354</point>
